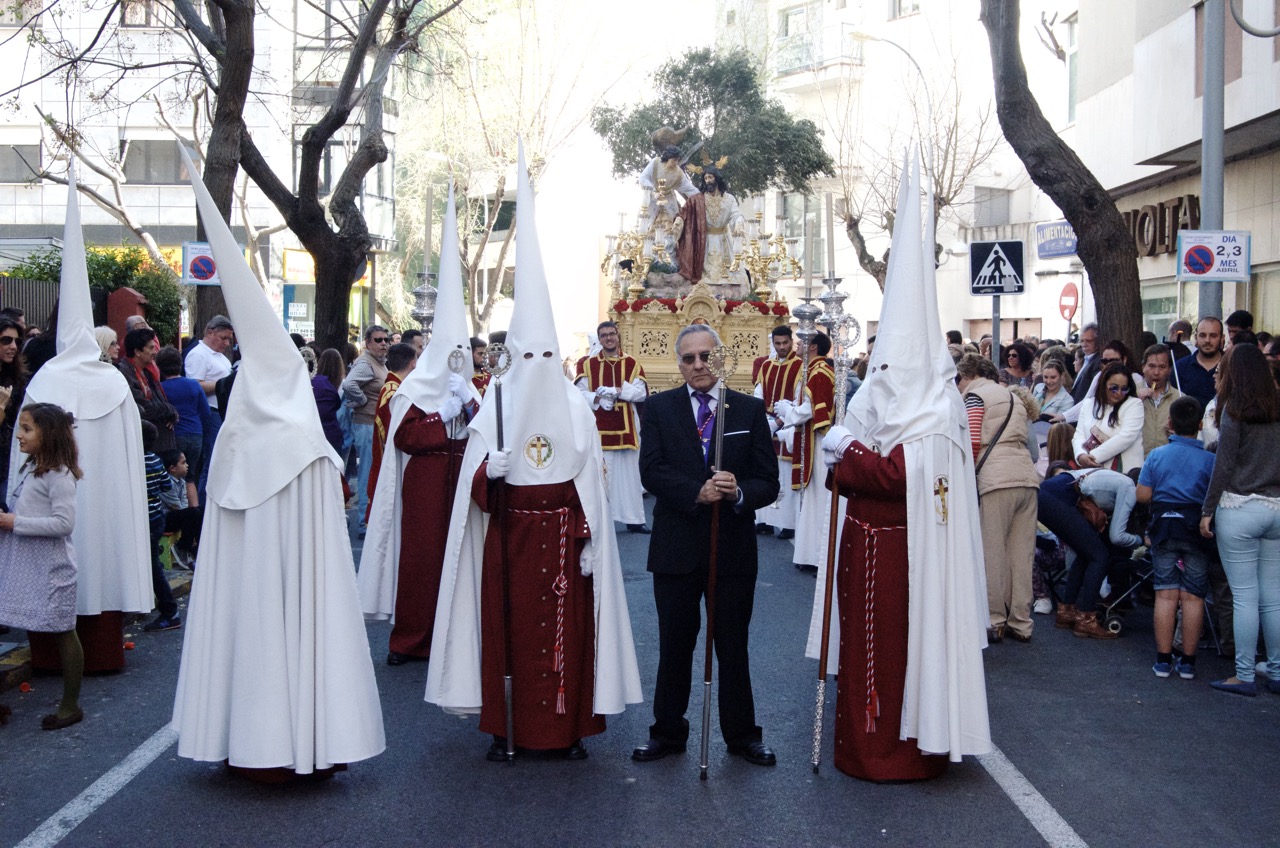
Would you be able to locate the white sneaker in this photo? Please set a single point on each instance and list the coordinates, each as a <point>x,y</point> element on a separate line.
<point>1042,606</point>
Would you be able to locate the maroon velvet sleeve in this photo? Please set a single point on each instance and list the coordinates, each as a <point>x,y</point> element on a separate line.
<point>420,432</point>
<point>864,472</point>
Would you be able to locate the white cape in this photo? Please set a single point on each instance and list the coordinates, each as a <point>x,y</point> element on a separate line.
<point>275,668</point>
<point>453,677</point>
<point>112,536</point>
<point>944,704</point>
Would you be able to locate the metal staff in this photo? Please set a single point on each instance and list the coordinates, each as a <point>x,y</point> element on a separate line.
<point>845,332</point>
<point>723,362</point>
<point>499,363</point>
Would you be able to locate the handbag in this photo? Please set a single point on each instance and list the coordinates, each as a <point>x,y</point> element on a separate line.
<point>1088,507</point>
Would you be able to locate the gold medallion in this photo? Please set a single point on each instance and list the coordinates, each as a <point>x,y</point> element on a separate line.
<point>538,451</point>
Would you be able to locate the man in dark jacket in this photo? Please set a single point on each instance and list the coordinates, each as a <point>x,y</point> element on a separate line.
<point>677,457</point>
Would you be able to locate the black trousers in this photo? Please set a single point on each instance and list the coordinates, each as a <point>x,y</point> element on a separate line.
<point>679,598</point>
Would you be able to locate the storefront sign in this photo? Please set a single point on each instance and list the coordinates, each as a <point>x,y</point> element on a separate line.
<point>1054,239</point>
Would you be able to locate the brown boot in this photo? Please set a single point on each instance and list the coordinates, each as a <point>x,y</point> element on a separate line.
<point>1087,627</point>
<point>1066,618</point>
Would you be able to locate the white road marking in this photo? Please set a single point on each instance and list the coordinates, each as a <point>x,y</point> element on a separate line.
<point>1038,811</point>
<point>61,823</point>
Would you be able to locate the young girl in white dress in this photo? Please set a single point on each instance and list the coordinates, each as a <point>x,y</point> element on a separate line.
<point>37,562</point>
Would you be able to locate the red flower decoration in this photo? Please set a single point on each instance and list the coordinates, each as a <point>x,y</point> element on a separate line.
<point>620,306</point>
<point>780,309</point>
<point>639,303</point>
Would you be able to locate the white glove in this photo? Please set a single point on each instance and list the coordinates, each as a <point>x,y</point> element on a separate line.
<point>457,385</point>
<point>451,408</point>
<point>783,408</point>
<point>773,424</point>
<point>499,464</point>
<point>632,392</point>
<point>606,402</point>
<point>837,440</point>
<point>799,414</point>
<point>787,435</point>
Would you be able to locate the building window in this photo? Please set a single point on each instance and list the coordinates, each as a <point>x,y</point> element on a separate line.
<point>1073,91</point>
<point>903,8</point>
<point>153,162</point>
<point>19,163</point>
<point>145,13</point>
<point>990,206</point>
<point>792,22</point>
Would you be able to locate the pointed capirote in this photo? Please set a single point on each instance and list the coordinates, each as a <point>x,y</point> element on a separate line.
<point>270,431</point>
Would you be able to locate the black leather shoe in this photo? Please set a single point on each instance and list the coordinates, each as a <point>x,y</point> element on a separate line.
<point>497,752</point>
<point>575,751</point>
<point>397,658</point>
<point>787,534</point>
<point>638,528</point>
<point>656,749</point>
<point>756,753</point>
<point>764,530</point>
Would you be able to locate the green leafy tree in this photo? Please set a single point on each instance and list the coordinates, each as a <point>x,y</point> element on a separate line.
<point>111,268</point>
<point>720,99</point>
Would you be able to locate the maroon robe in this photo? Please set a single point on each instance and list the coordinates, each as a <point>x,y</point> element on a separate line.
<point>554,702</point>
<point>691,249</point>
<point>430,480</point>
<point>101,636</point>
<point>872,576</point>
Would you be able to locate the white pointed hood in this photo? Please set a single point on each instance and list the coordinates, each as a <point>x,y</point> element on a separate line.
<point>548,444</point>
<point>427,385</point>
<point>909,391</point>
<point>77,379</point>
<point>271,432</point>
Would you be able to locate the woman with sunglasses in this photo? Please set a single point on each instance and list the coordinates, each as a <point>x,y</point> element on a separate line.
<point>13,384</point>
<point>1017,366</point>
<point>1242,509</point>
<point>1109,434</point>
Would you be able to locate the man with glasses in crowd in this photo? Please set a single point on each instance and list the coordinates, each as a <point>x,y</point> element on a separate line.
<point>207,361</point>
<point>1196,372</point>
<point>1091,366</point>
<point>360,391</point>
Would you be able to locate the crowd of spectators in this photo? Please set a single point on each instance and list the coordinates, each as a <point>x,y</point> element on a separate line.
<point>1160,468</point>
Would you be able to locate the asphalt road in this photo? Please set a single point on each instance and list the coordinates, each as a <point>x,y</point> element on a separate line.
<point>1123,757</point>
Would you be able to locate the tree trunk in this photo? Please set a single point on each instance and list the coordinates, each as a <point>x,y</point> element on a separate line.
<point>875,267</point>
<point>335,274</point>
<point>222,154</point>
<point>1105,246</point>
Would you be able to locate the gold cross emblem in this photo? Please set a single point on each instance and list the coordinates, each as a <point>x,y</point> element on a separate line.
<point>538,451</point>
<point>940,488</point>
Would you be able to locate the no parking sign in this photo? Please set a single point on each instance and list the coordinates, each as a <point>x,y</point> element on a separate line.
<point>198,265</point>
<point>1214,255</point>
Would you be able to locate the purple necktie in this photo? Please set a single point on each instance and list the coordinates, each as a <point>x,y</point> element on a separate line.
<point>704,422</point>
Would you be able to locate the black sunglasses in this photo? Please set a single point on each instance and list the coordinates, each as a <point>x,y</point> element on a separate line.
<point>688,358</point>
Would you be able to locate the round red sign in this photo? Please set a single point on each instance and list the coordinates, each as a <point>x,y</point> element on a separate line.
<point>1069,301</point>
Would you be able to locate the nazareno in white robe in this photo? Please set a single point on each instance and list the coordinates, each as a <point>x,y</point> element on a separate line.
<point>276,670</point>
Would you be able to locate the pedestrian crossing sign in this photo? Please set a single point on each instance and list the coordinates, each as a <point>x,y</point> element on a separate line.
<point>995,267</point>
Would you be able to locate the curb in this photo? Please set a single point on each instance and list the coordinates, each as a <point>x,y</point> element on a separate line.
<point>15,665</point>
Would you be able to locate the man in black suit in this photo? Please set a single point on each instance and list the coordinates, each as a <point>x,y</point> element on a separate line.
<point>676,459</point>
<point>1092,362</point>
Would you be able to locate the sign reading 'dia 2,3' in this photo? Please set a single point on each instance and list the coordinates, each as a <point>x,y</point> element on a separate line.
<point>1219,255</point>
